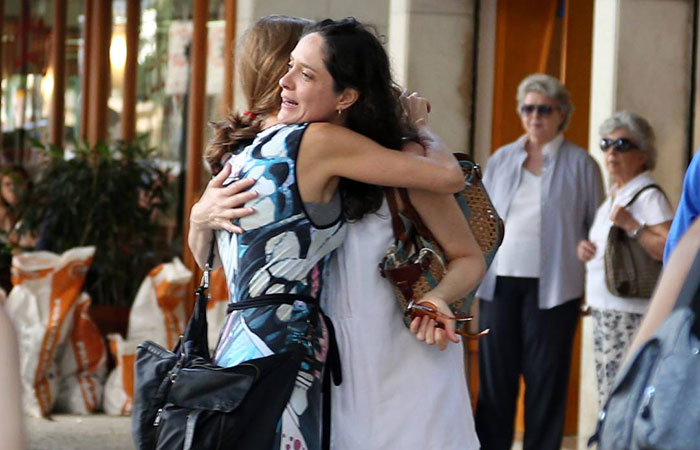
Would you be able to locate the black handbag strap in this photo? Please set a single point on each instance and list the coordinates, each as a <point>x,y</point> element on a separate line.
<point>207,268</point>
<point>194,339</point>
<point>639,192</point>
<point>334,372</point>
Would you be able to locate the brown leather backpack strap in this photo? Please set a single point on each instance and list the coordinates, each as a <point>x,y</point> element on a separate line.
<point>410,212</point>
<point>396,222</point>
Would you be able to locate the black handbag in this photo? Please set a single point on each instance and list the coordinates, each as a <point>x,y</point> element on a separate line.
<point>184,401</point>
<point>629,270</point>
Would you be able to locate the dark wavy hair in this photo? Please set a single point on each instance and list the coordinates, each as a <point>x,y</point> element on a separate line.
<point>356,59</point>
<point>263,54</point>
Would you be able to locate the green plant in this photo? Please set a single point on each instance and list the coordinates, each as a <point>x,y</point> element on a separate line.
<point>106,196</point>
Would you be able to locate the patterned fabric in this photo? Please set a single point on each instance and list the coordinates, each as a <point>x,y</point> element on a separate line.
<point>281,253</point>
<point>612,334</point>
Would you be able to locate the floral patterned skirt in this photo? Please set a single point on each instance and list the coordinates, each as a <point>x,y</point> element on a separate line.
<point>613,332</point>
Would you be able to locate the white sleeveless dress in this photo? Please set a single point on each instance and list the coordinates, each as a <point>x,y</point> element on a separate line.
<point>397,392</point>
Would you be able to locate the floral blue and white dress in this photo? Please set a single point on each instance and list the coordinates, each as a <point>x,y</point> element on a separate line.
<point>280,254</point>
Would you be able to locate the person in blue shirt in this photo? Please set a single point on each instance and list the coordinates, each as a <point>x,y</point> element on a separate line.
<point>688,206</point>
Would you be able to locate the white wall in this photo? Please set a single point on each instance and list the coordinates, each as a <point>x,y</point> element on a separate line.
<point>484,87</point>
<point>640,62</point>
<point>429,44</point>
<point>368,11</point>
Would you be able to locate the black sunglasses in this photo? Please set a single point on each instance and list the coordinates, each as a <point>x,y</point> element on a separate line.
<point>620,145</point>
<point>542,110</point>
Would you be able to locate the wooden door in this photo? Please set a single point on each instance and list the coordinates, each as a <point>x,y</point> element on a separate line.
<point>553,37</point>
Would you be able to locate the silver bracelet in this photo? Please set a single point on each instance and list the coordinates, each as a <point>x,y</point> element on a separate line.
<point>635,234</point>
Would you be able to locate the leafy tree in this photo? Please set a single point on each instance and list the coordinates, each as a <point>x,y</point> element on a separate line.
<point>108,197</point>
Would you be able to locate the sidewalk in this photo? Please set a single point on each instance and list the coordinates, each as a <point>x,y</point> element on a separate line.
<point>100,432</point>
<point>72,432</point>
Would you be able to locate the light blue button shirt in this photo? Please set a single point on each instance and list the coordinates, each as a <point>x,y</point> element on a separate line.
<point>572,190</point>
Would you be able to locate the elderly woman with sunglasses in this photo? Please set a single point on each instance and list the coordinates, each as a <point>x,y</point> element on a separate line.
<point>627,141</point>
<point>547,190</point>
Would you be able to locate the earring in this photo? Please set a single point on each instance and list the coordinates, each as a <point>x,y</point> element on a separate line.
<point>340,111</point>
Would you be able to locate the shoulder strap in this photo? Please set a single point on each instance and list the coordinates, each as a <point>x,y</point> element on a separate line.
<point>649,186</point>
<point>194,339</point>
<point>410,211</point>
<point>396,222</point>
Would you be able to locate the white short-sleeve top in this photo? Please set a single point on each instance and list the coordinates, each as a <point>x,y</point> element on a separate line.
<point>650,208</point>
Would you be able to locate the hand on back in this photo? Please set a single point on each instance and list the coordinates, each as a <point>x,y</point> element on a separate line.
<point>220,205</point>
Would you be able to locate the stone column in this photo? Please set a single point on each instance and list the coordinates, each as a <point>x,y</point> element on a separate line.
<point>431,46</point>
<point>485,81</point>
<point>641,62</point>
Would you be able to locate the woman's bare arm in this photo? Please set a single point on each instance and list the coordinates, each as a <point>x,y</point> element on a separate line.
<point>652,237</point>
<point>465,262</point>
<point>330,151</point>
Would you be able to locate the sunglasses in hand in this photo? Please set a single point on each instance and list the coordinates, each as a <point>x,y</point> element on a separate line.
<point>414,310</point>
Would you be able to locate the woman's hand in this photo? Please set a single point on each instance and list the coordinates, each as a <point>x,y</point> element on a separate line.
<point>623,219</point>
<point>416,108</point>
<point>585,250</point>
<point>424,327</point>
<point>219,205</point>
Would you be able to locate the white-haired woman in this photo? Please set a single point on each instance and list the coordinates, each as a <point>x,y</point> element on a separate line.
<point>627,141</point>
<point>547,190</point>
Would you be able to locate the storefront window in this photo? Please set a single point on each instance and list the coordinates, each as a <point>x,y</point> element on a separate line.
<point>163,82</point>
<point>26,81</point>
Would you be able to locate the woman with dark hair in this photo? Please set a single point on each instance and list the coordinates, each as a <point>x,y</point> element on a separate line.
<point>14,181</point>
<point>280,258</point>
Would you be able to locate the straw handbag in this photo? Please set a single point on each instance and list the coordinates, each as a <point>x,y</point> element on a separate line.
<point>629,270</point>
<point>415,264</point>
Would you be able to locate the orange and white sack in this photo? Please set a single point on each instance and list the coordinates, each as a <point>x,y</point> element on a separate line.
<point>216,307</point>
<point>119,388</point>
<point>46,288</point>
<point>159,311</point>
<point>83,364</point>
